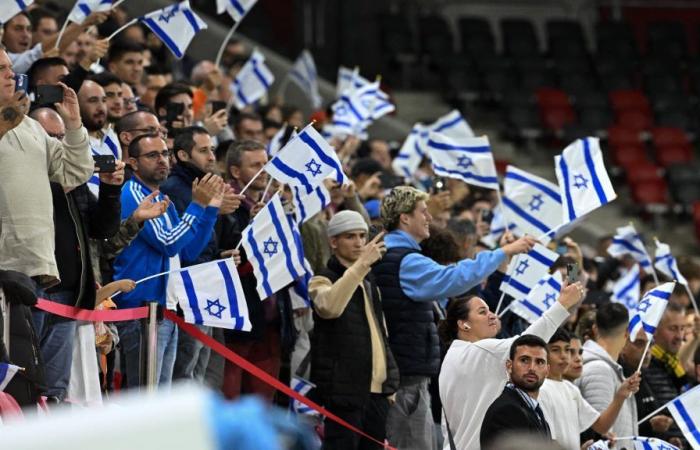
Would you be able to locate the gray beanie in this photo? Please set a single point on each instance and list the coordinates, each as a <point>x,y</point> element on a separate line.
<point>345,221</point>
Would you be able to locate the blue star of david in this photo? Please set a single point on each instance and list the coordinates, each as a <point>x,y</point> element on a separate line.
<point>341,111</point>
<point>313,167</point>
<point>522,267</point>
<point>644,305</point>
<point>215,308</point>
<point>580,182</point>
<point>270,247</point>
<point>664,447</point>
<point>549,299</point>
<point>536,202</point>
<point>465,162</point>
<point>166,16</point>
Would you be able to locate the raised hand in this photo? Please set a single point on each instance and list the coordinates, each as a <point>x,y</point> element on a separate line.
<point>374,251</point>
<point>205,189</point>
<point>69,108</point>
<point>571,294</point>
<point>216,122</point>
<point>630,386</point>
<point>117,177</point>
<point>522,245</point>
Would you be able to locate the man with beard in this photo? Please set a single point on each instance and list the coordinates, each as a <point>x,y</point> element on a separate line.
<point>112,86</point>
<point>103,139</point>
<point>517,409</point>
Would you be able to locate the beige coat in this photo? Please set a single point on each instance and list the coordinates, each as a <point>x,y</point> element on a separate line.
<point>29,159</point>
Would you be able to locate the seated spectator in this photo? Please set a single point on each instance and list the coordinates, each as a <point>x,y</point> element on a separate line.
<point>114,102</point>
<point>248,126</point>
<point>125,60</point>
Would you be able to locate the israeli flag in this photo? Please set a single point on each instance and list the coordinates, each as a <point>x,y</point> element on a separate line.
<point>280,139</point>
<point>646,443</point>
<point>306,161</point>
<point>10,8</point>
<point>666,263</point>
<point>411,154</point>
<point>468,159</point>
<point>348,80</point>
<point>306,205</point>
<point>532,203</point>
<point>375,100</point>
<point>237,9</point>
<point>211,294</point>
<point>271,249</point>
<point>452,125</point>
<point>627,289</point>
<point>628,242</point>
<point>108,144</point>
<point>304,74</point>
<point>303,387</point>
<point>685,410</point>
<point>7,372</point>
<point>83,8</point>
<point>498,228</point>
<point>526,270</point>
<point>175,25</point>
<point>252,82</point>
<point>584,184</point>
<point>351,115</point>
<point>649,310</point>
<point>599,445</point>
<point>540,298</point>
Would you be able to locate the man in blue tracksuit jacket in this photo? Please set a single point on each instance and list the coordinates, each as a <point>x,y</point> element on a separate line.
<point>158,247</point>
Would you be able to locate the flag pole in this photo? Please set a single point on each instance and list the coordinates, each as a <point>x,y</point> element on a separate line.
<point>122,28</point>
<point>655,412</point>
<point>692,299</point>
<point>646,349</point>
<point>220,53</point>
<point>63,30</point>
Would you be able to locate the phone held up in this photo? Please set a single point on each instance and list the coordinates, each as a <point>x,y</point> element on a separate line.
<point>439,184</point>
<point>572,272</point>
<point>105,163</point>
<point>47,94</point>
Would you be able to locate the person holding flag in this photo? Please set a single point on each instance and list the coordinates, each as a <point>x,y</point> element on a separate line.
<point>349,332</point>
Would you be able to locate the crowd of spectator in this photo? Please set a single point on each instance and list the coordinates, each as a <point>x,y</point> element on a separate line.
<point>400,337</point>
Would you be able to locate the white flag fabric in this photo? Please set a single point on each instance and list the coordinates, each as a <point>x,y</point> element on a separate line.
<point>685,410</point>
<point>237,9</point>
<point>211,294</point>
<point>411,154</point>
<point>7,372</point>
<point>107,145</point>
<point>532,203</point>
<point>356,109</point>
<point>348,80</point>
<point>10,8</point>
<point>175,25</point>
<point>584,184</point>
<point>303,387</point>
<point>540,298</point>
<point>452,125</point>
<point>468,159</point>
<point>628,242</point>
<point>498,227</point>
<point>649,310</point>
<point>526,270</point>
<point>83,8</point>
<point>666,263</point>
<point>252,82</point>
<point>306,161</point>
<point>628,288</point>
<point>278,141</point>
<point>646,443</point>
<point>304,74</point>
<point>308,205</point>
<point>271,249</point>
<point>599,445</point>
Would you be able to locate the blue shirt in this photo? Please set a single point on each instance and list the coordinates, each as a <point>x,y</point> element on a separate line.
<point>422,279</point>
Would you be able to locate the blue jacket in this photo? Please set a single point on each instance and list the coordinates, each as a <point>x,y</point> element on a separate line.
<point>159,240</point>
<point>422,279</point>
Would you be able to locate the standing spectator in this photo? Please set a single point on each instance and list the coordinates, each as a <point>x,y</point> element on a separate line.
<point>114,102</point>
<point>156,79</point>
<point>161,241</point>
<point>567,413</point>
<point>26,205</point>
<point>248,126</point>
<point>575,368</point>
<point>349,333</point>
<point>666,375</point>
<point>409,283</point>
<point>138,123</point>
<point>518,407</point>
<point>602,374</point>
<point>44,24</point>
<point>126,61</point>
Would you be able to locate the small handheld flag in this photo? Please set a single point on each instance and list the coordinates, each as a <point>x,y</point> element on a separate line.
<point>7,372</point>
<point>646,443</point>
<point>303,387</point>
<point>175,25</point>
<point>540,298</point>
<point>252,81</point>
<point>627,289</point>
<point>211,294</point>
<point>628,242</point>
<point>411,153</point>
<point>452,125</point>
<point>584,184</point>
<point>304,74</point>
<point>237,9</point>
<point>666,263</point>
<point>526,270</point>
<point>83,8</point>
<point>468,159</point>
<point>10,8</point>
<point>308,205</point>
<point>649,311</point>
<point>685,410</point>
<point>280,139</point>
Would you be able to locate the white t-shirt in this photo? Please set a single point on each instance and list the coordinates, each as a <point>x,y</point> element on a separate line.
<point>567,412</point>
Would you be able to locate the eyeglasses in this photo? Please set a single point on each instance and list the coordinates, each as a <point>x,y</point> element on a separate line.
<point>153,156</point>
<point>151,130</point>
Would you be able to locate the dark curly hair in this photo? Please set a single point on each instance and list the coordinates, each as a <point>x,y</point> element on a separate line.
<point>458,309</point>
<point>441,246</point>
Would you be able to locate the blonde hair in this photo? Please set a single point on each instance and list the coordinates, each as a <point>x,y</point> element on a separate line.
<point>401,200</point>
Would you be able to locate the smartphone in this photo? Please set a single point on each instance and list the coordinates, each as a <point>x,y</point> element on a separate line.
<point>105,163</point>
<point>48,94</point>
<point>173,111</point>
<point>21,82</point>
<point>572,272</point>
<point>217,106</point>
<point>439,184</point>
<point>486,215</point>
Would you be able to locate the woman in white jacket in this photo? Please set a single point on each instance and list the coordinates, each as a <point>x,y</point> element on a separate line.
<point>473,372</point>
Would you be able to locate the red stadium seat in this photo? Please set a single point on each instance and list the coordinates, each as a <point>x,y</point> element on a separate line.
<point>552,98</point>
<point>619,136</point>
<point>556,119</point>
<point>629,99</point>
<point>629,155</point>
<point>642,171</point>
<point>667,156</point>
<point>650,192</point>
<point>669,136</point>
<point>634,120</point>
